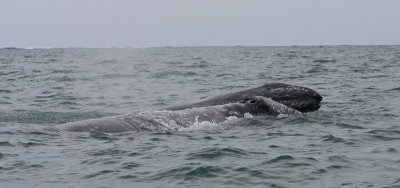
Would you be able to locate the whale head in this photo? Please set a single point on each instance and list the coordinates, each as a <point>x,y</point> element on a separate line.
<point>300,98</point>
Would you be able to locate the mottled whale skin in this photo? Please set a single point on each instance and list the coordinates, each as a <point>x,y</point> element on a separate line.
<point>270,99</point>
<point>300,98</point>
<point>168,121</point>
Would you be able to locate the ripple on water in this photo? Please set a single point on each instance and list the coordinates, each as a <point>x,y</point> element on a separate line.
<point>30,144</point>
<point>107,62</point>
<point>392,150</point>
<point>174,173</point>
<point>382,137</point>
<point>319,172</point>
<point>127,177</point>
<point>129,165</point>
<point>295,164</point>
<point>96,174</point>
<point>5,143</point>
<point>5,91</point>
<point>217,153</point>
<point>200,65</point>
<point>108,152</point>
<point>21,165</point>
<point>204,171</point>
<point>4,102</point>
<point>279,159</point>
<point>397,89</point>
<point>385,132</point>
<point>189,172</point>
<point>169,73</point>
<point>334,139</point>
<point>252,172</point>
<point>348,126</point>
<point>325,61</point>
<point>340,159</point>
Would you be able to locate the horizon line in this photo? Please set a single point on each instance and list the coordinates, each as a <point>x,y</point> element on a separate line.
<point>190,46</point>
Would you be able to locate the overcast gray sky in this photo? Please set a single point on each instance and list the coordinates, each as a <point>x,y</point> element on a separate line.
<point>149,23</point>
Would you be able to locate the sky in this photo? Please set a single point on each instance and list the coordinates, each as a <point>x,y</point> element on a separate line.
<point>156,23</point>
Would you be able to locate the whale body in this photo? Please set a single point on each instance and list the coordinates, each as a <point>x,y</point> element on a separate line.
<point>167,120</point>
<point>269,99</point>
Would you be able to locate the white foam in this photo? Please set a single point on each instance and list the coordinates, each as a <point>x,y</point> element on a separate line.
<point>282,116</point>
<point>198,125</point>
<point>248,115</point>
<point>230,118</point>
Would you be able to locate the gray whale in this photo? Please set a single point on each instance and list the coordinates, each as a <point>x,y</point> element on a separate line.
<point>168,120</point>
<point>269,99</point>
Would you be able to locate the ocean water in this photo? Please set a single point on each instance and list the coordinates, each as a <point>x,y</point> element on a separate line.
<point>352,141</point>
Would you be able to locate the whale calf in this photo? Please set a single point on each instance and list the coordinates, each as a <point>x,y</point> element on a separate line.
<point>269,99</point>
<point>168,120</point>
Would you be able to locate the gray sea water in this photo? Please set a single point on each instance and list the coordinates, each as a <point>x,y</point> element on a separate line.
<point>352,141</point>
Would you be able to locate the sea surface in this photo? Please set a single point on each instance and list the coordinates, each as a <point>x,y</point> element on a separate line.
<point>352,141</point>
